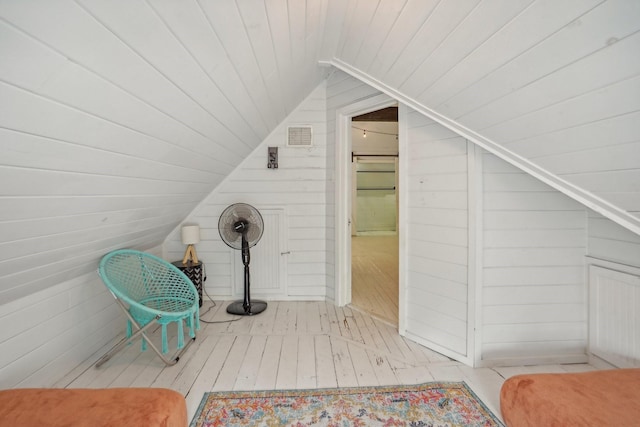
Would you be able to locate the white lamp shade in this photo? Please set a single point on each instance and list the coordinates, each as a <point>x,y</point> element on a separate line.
<point>190,234</point>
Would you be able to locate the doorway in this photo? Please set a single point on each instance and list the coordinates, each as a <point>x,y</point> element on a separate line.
<point>374,213</point>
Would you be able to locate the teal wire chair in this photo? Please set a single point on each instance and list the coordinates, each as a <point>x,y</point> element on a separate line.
<point>150,291</point>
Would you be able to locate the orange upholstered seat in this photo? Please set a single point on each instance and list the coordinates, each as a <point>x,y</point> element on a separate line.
<point>598,398</point>
<point>92,407</point>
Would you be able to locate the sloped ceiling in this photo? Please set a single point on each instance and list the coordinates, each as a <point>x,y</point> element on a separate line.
<point>118,117</point>
<point>553,87</point>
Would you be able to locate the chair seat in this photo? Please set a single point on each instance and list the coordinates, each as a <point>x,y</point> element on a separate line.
<point>167,306</point>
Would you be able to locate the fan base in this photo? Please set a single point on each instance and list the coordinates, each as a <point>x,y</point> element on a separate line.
<point>255,307</point>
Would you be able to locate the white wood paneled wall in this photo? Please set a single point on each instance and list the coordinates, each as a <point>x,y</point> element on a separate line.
<point>437,235</point>
<point>614,323</point>
<point>608,241</point>
<point>48,333</point>
<point>534,291</point>
<point>298,187</point>
<point>557,83</point>
<point>118,118</point>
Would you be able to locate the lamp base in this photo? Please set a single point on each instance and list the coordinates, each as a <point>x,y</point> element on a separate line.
<point>190,255</point>
<point>255,307</point>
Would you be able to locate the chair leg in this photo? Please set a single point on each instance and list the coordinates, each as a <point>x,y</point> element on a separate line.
<point>141,333</point>
<point>169,361</point>
<point>124,341</point>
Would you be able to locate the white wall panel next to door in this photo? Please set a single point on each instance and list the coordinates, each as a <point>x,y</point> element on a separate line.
<point>531,281</point>
<point>437,236</point>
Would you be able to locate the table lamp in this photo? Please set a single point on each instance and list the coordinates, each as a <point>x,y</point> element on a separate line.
<point>190,236</point>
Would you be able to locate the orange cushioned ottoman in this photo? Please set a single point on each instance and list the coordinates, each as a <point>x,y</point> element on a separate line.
<point>598,398</point>
<point>92,407</point>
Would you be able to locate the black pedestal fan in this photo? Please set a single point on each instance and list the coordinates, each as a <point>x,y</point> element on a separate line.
<point>240,227</point>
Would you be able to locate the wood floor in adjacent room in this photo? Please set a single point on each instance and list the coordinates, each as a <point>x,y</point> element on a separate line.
<point>374,275</point>
<point>292,345</point>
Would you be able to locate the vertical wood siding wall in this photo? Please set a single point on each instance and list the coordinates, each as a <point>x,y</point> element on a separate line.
<point>613,301</point>
<point>298,187</point>
<point>534,291</point>
<point>614,323</point>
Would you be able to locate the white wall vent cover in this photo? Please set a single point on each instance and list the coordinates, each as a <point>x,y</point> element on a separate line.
<point>299,136</point>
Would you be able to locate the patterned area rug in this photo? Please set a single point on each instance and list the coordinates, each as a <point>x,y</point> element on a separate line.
<point>430,404</point>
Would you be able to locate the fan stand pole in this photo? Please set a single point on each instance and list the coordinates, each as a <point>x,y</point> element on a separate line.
<point>246,258</point>
<point>246,307</point>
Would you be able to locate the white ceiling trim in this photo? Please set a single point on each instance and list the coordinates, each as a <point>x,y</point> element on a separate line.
<point>590,200</point>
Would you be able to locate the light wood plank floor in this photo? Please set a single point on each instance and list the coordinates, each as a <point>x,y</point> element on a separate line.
<point>374,276</point>
<point>291,345</point>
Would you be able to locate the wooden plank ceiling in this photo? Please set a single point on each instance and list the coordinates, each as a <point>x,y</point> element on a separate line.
<point>389,114</point>
<point>118,117</point>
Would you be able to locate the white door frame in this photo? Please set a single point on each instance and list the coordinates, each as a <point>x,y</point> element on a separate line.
<point>343,191</point>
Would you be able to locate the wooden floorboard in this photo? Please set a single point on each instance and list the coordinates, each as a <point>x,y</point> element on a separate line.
<point>292,345</point>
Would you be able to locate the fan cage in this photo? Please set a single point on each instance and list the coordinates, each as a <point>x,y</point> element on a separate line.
<point>240,212</point>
